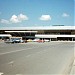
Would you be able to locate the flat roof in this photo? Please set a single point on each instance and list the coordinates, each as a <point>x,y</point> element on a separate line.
<point>22,31</point>
<point>53,36</point>
<point>40,28</point>
<point>5,35</point>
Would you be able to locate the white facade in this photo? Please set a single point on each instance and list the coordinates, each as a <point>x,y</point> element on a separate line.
<point>59,32</point>
<point>40,28</point>
<point>53,36</point>
<point>5,35</point>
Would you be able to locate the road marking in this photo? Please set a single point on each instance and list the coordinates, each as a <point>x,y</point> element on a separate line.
<point>1,73</point>
<point>11,62</point>
<point>17,51</point>
<point>74,63</point>
<point>19,74</point>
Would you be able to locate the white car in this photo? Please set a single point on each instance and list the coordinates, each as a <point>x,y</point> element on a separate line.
<point>21,41</point>
<point>46,40</point>
<point>35,40</point>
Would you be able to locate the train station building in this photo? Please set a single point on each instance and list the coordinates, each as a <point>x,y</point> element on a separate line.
<point>53,33</point>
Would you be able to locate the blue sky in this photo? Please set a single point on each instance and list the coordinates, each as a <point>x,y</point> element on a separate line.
<point>17,13</point>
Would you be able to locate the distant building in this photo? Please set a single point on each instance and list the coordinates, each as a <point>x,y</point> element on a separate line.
<point>53,33</point>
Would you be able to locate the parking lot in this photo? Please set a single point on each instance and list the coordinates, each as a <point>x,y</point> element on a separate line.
<point>36,58</point>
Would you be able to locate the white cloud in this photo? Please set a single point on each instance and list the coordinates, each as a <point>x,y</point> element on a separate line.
<point>15,19</point>
<point>22,17</point>
<point>19,18</point>
<point>4,21</point>
<point>65,15</point>
<point>45,17</point>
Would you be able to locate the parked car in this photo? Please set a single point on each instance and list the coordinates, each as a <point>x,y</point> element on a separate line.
<point>21,41</point>
<point>14,41</point>
<point>36,40</point>
<point>29,40</point>
<point>9,41</point>
<point>46,40</point>
<point>40,41</point>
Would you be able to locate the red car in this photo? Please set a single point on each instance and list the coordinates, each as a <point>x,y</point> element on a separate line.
<point>40,41</point>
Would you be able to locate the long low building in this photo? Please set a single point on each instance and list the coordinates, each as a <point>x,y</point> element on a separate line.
<point>43,32</point>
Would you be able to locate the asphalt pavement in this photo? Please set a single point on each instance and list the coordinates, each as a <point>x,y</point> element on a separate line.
<point>36,58</point>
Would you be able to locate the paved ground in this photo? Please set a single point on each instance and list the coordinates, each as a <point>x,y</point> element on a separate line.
<point>73,66</point>
<point>36,58</point>
<point>73,69</point>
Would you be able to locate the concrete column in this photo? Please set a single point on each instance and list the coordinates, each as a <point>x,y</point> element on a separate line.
<point>50,39</point>
<point>72,39</point>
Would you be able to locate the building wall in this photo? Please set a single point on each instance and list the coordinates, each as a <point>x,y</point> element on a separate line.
<point>46,32</point>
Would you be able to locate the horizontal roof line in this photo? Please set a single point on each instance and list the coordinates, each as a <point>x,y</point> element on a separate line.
<point>5,35</point>
<point>53,36</point>
<point>40,28</point>
<point>23,31</point>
